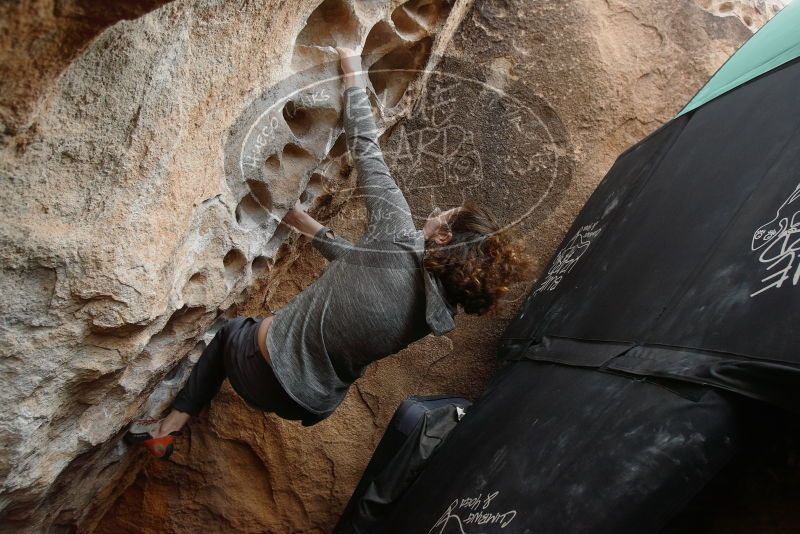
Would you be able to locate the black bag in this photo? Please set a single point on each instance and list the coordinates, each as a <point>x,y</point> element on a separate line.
<point>417,429</point>
<point>551,449</point>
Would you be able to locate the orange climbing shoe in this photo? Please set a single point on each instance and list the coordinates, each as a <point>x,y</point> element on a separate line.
<point>141,432</point>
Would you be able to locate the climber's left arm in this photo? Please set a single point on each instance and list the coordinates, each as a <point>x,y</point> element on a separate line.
<point>324,239</point>
<point>388,212</point>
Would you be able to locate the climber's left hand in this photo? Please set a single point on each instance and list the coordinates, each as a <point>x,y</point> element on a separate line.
<point>350,60</point>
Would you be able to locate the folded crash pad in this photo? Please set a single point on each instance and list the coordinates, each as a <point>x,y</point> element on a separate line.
<point>416,431</point>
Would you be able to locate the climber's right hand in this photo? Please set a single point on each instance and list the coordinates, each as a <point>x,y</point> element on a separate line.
<point>295,215</point>
<point>301,221</point>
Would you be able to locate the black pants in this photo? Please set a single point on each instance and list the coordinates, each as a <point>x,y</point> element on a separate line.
<point>234,354</point>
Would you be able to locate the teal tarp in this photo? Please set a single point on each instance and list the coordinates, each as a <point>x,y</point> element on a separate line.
<point>778,42</point>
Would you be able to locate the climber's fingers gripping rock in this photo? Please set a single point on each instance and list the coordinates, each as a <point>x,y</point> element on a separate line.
<point>351,61</point>
<point>351,68</point>
<point>294,215</point>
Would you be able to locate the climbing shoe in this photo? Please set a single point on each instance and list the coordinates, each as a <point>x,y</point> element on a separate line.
<point>140,432</point>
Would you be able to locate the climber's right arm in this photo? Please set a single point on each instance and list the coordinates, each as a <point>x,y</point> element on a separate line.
<point>388,211</point>
<point>324,239</point>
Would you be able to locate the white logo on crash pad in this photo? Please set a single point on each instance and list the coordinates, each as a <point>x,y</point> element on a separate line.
<point>475,510</point>
<point>779,242</point>
<point>568,256</point>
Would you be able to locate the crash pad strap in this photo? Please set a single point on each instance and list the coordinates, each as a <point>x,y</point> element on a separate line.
<point>726,371</point>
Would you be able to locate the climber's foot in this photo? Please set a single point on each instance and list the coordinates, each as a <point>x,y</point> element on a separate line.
<point>147,432</point>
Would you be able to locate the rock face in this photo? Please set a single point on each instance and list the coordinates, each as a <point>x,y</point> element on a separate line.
<point>124,239</point>
<point>141,209</point>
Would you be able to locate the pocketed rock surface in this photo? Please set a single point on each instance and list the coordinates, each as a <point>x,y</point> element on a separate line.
<point>132,231</point>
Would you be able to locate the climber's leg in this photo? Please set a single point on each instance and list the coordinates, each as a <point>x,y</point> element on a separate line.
<point>203,384</point>
<point>205,379</point>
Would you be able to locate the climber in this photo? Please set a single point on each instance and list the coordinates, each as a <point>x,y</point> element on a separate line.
<point>393,287</point>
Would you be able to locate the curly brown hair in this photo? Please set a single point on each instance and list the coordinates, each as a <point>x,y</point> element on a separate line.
<point>480,262</point>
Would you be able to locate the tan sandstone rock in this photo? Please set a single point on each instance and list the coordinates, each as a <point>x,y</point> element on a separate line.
<point>124,238</point>
<point>132,228</point>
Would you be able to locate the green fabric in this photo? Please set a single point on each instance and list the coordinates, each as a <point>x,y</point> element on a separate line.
<point>773,45</point>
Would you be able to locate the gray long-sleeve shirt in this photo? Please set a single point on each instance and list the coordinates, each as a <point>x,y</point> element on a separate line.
<point>372,300</point>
